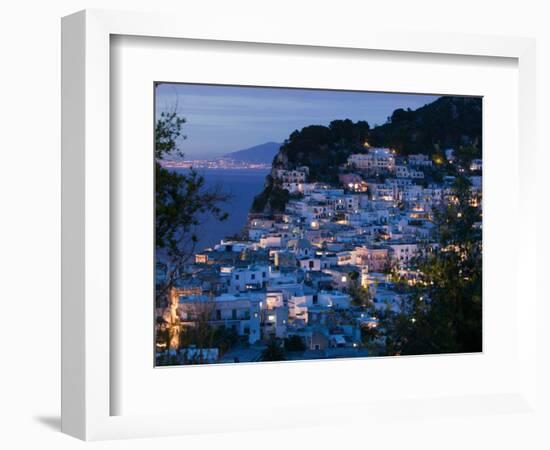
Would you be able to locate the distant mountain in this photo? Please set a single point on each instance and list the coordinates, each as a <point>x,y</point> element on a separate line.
<point>263,153</point>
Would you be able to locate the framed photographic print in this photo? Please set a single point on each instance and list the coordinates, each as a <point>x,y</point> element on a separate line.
<point>272,229</point>
<point>343,240</point>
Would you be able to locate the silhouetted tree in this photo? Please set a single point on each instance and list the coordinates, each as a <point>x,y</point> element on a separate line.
<point>445,313</point>
<point>181,203</point>
<point>273,352</point>
<point>295,344</point>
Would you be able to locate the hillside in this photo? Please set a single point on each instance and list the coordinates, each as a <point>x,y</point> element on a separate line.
<point>263,153</point>
<point>448,122</point>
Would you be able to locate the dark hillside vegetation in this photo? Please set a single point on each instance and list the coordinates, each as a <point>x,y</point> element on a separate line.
<point>448,122</point>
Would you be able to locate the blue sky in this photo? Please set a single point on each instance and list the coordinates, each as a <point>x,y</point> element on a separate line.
<point>222,119</point>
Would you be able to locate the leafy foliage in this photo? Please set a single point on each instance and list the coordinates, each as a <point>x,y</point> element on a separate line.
<point>295,344</point>
<point>273,352</point>
<point>181,201</point>
<point>272,198</point>
<point>449,122</point>
<point>167,133</point>
<point>203,335</point>
<point>445,315</point>
<point>464,154</point>
<point>322,149</point>
<point>360,296</point>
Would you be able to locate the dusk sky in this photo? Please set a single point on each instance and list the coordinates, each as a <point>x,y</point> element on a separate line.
<point>223,119</point>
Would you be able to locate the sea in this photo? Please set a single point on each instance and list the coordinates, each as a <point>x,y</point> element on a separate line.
<point>242,185</point>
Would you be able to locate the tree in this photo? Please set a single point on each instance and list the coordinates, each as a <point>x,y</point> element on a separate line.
<point>390,265</point>
<point>181,203</point>
<point>295,344</point>
<point>465,153</point>
<point>322,149</point>
<point>454,275</point>
<point>201,334</point>
<point>447,122</point>
<point>445,315</point>
<point>369,333</point>
<point>273,352</point>
<point>360,296</point>
<point>225,338</point>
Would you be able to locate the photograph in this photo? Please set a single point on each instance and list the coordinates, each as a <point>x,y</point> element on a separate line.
<point>275,224</point>
<point>298,224</point>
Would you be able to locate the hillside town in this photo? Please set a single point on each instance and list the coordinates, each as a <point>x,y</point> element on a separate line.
<point>312,282</point>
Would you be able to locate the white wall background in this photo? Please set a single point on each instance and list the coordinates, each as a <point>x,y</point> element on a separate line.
<point>30,193</point>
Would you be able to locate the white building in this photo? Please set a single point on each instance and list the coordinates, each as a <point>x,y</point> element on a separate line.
<point>274,299</point>
<point>275,322</point>
<point>232,246</point>
<point>450,155</point>
<point>404,252</point>
<point>412,193</point>
<point>375,159</point>
<point>476,164</point>
<point>407,172</point>
<point>301,247</point>
<point>420,159</point>
<point>255,234</point>
<point>310,263</point>
<point>383,191</point>
<point>298,306</point>
<point>238,312</point>
<point>271,240</point>
<point>299,187</point>
<point>291,176</point>
<point>242,279</point>
<point>333,299</point>
<point>402,171</point>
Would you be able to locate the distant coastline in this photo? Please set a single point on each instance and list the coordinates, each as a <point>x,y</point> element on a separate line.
<point>218,164</point>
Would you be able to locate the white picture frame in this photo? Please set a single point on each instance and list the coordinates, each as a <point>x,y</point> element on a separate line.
<point>86,219</point>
